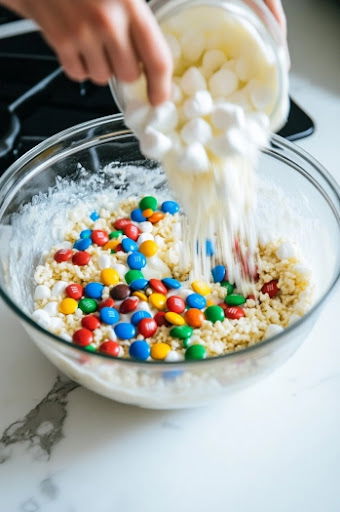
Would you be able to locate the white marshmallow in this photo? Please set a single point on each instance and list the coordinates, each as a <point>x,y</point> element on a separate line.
<point>285,251</point>
<point>174,46</point>
<point>42,292</point>
<point>135,116</point>
<point>146,226</point>
<point>302,269</point>
<point>143,237</point>
<point>256,133</point>
<point>212,61</point>
<point>193,45</point>
<point>51,309</point>
<point>104,261</point>
<point>163,118</point>
<point>58,289</point>
<point>223,83</point>
<point>230,64</point>
<point>243,69</point>
<point>143,306</point>
<point>241,97</point>
<point>42,318</point>
<point>200,104</point>
<point>193,81</point>
<point>272,330</point>
<point>121,269</point>
<point>193,159</point>
<point>154,144</point>
<point>176,93</point>
<point>56,323</point>
<point>261,95</point>
<point>173,357</point>
<point>229,144</point>
<point>196,130</point>
<point>226,115</point>
<point>111,334</point>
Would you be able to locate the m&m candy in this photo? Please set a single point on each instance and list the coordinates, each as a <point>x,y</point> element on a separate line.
<point>82,337</point>
<point>157,300</point>
<point>99,237</point>
<point>174,318</point>
<point>120,224</point>
<point>170,207</point>
<point>82,244</point>
<point>94,216</point>
<point>94,290</point>
<point>139,284</point>
<point>120,292</point>
<point>158,286</point>
<point>74,290</point>
<point>214,314</point>
<point>139,350</point>
<point>86,233</point>
<point>194,317</point>
<point>109,347</point>
<point>218,273</point>
<point>271,288</point>
<point>139,315</point>
<point>234,299</point>
<point>107,303</point>
<point>109,276</point>
<point>136,260</point>
<point>109,316</point>
<point>234,312</point>
<point>68,306</point>
<point>63,255</point>
<point>148,202</point>
<point>129,245</point>
<point>147,327</point>
<point>195,352</point>
<point>90,322</point>
<point>148,248</point>
<point>88,305</point>
<point>131,231</point>
<point>132,275</point>
<point>137,215</point>
<point>81,258</point>
<point>170,283</point>
<point>175,304</point>
<point>181,331</point>
<point>129,305</point>
<point>125,331</point>
<point>195,300</point>
<point>159,351</point>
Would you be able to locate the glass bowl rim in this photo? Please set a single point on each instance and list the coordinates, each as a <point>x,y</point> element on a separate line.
<point>95,123</point>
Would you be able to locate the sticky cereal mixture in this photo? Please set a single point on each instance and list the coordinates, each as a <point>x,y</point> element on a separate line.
<point>119,284</point>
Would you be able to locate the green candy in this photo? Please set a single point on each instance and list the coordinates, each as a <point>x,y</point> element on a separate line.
<point>214,314</point>
<point>132,275</point>
<point>115,234</point>
<point>228,286</point>
<point>90,348</point>
<point>234,299</point>
<point>181,331</point>
<point>87,305</point>
<point>195,352</point>
<point>186,342</point>
<point>148,202</point>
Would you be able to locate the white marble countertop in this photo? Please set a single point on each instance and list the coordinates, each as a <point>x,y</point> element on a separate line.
<point>274,446</point>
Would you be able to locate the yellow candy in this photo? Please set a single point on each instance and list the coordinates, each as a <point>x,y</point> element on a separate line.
<point>157,300</point>
<point>140,295</point>
<point>210,303</point>
<point>109,276</point>
<point>200,287</point>
<point>160,351</point>
<point>148,248</point>
<point>174,318</point>
<point>68,306</point>
<point>111,244</point>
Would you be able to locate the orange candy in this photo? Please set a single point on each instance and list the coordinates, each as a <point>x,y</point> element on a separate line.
<point>156,217</point>
<point>194,317</point>
<point>148,212</point>
<point>111,244</point>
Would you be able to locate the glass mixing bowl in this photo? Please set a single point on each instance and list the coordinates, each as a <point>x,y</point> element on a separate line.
<point>302,202</point>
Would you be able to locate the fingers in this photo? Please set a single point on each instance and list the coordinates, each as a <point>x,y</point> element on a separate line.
<point>153,52</point>
<point>276,7</point>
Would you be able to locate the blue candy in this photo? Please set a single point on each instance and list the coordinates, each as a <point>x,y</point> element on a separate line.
<point>109,315</point>
<point>137,215</point>
<point>94,216</point>
<point>209,248</point>
<point>195,300</point>
<point>139,315</point>
<point>139,284</point>
<point>139,350</point>
<point>82,244</point>
<point>125,331</point>
<point>170,207</point>
<point>136,260</point>
<point>129,245</point>
<point>218,273</point>
<point>86,233</point>
<point>170,282</point>
<point>94,290</point>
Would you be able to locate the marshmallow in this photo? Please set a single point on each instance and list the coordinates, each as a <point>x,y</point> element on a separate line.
<point>200,104</point>
<point>285,251</point>
<point>193,81</point>
<point>196,130</point>
<point>241,97</point>
<point>243,69</point>
<point>261,95</point>
<point>163,117</point>
<point>42,318</point>
<point>272,330</point>
<point>42,292</point>
<point>230,64</point>
<point>193,159</point>
<point>154,144</point>
<point>193,45</point>
<point>51,309</point>
<point>121,269</point>
<point>174,46</point>
<point>229,144</point>
<point>212,61</point>
<point>176,93</point>
<point>56,323</point>
<point>143,237</point>
<point>58,289</point>
<point>226,115</point>
<point>256,133</point>
<point>145,226</point>
<point>156,268</point>
<point>136,113</point>
<point>104,261</point>
<point>223,83</point>
<point>303,270</point>
<point>173,356</point>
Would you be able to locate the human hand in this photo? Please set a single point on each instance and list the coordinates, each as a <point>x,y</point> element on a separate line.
<point>96,39</point>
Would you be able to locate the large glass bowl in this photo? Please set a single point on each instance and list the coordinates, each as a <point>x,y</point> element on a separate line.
<point>307,211</point>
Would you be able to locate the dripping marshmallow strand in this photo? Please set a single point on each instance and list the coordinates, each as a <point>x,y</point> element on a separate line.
<point>227,97</point>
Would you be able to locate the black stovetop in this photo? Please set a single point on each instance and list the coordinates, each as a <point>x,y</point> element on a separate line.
<point>26,59</point>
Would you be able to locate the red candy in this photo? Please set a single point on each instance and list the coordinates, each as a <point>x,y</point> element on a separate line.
<point>75,291</point>
<point>99,237</point>
<point>271,288</point>
<point>131,231</point>
<point>160,318</point>
<point>175,304</point>
<point>110,348</point>
<point>118,248</point>
<point>120,224</point>
<point>158,286</point>
<point>234,312</point>
<point>83,337</point>
<point>81,258</point>
<point>129,305</point>
<point>107,303</point>
<point>63,255</point>
<point>90,322</point>
<point>147,327</point>
<point>251,297</point>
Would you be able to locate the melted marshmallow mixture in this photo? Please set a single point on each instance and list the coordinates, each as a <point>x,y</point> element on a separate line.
<point>224,94</point>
